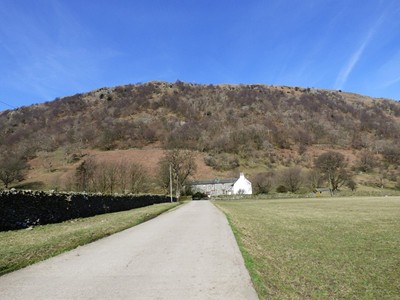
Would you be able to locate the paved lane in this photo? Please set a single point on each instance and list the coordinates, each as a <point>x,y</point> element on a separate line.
<point>188,253</point>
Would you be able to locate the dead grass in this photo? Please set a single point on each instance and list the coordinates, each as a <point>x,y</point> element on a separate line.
<point>336,248</point>
<point>21,248</point>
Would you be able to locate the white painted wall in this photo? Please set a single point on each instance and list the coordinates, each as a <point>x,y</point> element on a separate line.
<point>242,186</point>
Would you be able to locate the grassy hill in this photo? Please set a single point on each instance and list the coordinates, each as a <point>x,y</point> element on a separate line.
<point>248,127</point>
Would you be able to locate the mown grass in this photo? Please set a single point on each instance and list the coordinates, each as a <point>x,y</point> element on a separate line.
<point>330,248</point>
<point>21,248</point>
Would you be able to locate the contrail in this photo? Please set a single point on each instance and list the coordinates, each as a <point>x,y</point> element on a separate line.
<point>348,68</point>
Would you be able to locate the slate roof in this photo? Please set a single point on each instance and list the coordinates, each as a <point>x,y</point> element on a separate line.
<point>214,181</point>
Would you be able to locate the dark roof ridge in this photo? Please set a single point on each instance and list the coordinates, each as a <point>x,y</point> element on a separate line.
<point>214,181</point>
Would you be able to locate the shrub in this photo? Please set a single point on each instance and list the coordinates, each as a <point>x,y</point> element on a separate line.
<point>292,179</point>
<point>392,154</point>
<point>281,189</point>
<point>366,162</point>
<point>351,184</point>
<point>222,162</point>
<point>199,196</point>
<point>262,183</point>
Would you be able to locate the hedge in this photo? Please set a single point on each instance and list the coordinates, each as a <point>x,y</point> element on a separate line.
<point>22,209</point>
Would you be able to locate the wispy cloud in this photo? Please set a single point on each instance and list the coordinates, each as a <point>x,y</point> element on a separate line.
<point>388,74</point>
<point>355,57</point>
<point>391,82</point>
<point>50,53</point>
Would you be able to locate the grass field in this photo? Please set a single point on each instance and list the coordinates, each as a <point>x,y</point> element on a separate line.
<point>329,248</point>
<point>20,248</point>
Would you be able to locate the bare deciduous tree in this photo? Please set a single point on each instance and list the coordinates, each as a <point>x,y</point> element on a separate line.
<point>367,161</point>
<point>262,182</point>
<point>111,170</point>
<point>333,166</point>
<point>351,184</point>
<point>182,164</point>
<point>391,153</point>
<point>11,169</point>
<point>84,175</point>
<point>111,177</point>
<point>137,178</point>
<point>314,179</point>
<point>291,178</point>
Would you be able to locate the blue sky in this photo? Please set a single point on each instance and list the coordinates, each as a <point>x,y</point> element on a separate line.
<point>51,48</point>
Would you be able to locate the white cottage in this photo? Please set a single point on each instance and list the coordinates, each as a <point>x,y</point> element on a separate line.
<point>242,186</point>
<point>217,187</point>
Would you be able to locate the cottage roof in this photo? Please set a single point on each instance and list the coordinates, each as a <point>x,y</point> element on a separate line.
<point>214,181</point>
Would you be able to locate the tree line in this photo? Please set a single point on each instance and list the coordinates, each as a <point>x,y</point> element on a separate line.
<point>123,177</point>
<point>330,169</point>
<point>110,177</point>
<point>175,168</point>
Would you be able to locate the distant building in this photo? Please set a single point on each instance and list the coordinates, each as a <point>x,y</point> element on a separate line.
<point>216,187</point>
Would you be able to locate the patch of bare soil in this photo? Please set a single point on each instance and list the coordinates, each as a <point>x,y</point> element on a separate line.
<point>149,159</point>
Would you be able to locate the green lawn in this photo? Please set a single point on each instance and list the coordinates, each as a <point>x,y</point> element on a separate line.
<point>20,248</point>
<point>330,248</point>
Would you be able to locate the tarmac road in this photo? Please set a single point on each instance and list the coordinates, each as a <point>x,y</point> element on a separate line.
<point>188,253</point>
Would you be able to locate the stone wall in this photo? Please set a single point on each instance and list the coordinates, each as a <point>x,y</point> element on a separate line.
<point>21,209</point>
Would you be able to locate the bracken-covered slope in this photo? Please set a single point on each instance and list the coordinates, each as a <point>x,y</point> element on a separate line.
<point>229,122</point>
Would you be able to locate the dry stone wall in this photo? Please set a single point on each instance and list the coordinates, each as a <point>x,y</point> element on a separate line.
<point>22,209</point>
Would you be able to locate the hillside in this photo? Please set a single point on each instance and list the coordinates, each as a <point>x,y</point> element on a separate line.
<point>251,127</point>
